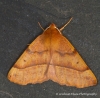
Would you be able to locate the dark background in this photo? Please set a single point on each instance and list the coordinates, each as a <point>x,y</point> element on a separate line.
<point>19,27</point>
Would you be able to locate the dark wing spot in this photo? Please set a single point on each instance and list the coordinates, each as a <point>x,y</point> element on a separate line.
<point>24,60</point>
<point>77,62</point>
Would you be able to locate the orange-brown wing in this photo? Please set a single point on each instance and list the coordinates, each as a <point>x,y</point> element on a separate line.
<point>31,67</point>
<point>71,77</point>
<point>70,69</point>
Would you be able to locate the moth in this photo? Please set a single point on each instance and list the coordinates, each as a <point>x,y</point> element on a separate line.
<point>52,57</point>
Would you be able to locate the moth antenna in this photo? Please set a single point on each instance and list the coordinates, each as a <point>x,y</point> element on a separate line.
<point>41,26</point>
<point>66,24</point>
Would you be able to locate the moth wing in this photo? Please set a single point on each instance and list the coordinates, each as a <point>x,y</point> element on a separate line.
<point>70,68</point>
<point>32,65</point>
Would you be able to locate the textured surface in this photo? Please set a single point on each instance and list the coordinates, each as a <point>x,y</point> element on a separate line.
<point>19,27</point>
